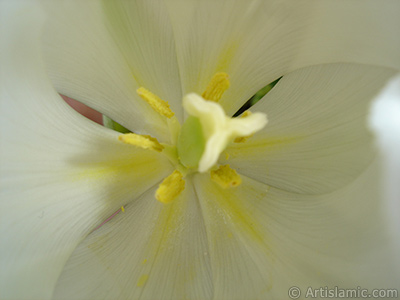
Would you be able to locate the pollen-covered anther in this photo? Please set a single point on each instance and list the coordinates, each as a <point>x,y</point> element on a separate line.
<point>171,187</point>
<point>217,86</point>
<point>141,141</point>
<point>226,177</point>
<point>159,105</point>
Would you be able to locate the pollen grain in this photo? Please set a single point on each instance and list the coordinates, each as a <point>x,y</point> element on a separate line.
<point>142,280</point>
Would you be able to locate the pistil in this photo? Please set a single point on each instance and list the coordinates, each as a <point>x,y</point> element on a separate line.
<point>218,129</point>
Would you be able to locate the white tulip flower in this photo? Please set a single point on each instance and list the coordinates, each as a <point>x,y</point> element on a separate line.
<point>204,205</point>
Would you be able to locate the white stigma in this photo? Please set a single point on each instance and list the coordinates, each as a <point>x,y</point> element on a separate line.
<point>218,129</point>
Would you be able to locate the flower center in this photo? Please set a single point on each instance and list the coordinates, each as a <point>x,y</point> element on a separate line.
<point>210,129</point>
<point>204,135</point>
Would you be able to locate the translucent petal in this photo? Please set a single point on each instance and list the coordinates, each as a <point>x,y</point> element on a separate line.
<point>264,240</point>
<point>153,251</point>
<point>100,53</point>
<point>258,41</point>
<point>316,139</point>
<point>384,120</point>
<point>61,174</point>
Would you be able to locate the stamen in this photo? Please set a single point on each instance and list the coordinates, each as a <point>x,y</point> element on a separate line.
<point>171,187</point>
<point>122,209</point>
<point>226,177</point>
<point>217,86</point>
<point>159,105</point>
<point>141,141</point>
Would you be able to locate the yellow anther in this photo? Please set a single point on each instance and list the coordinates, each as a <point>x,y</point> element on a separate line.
<point>242,139</point>
<point>122,209</point>
<point>171,187</point>
<point>159,105</point>
<point>226,177</point>
<point>141,141</point>
<point>217,86</point>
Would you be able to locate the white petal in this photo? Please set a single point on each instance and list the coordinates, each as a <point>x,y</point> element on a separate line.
<point>256,42</point>
<point>153,251</point>
<point>238,246</point>
<point>385,121</point>
<point>264,240</point>
<point>385,118</point>
<point>316,139</point>
<point>61,174</point>
<point>101,52</point>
